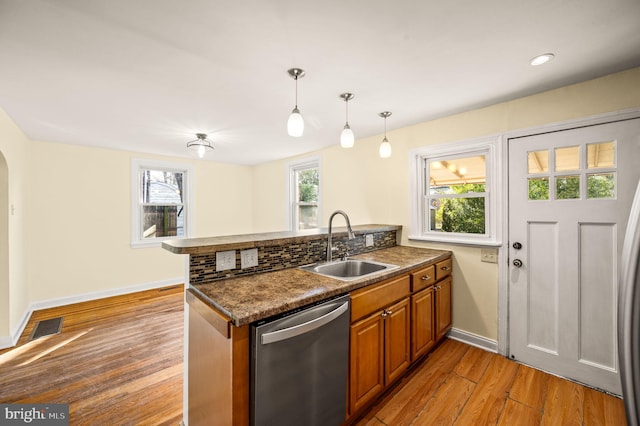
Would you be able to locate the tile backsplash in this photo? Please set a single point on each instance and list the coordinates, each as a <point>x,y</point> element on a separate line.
<point>303,251</point>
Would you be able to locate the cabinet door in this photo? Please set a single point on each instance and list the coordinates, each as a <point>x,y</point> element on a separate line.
<point>366,362</point>
<point>443,307</point>
<point>397,340</point>
<point>422,323</point>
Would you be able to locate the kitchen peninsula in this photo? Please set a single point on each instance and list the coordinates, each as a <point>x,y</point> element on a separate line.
<point>224,301</point>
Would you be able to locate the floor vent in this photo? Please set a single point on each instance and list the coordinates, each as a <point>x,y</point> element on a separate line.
<point>46,328</point>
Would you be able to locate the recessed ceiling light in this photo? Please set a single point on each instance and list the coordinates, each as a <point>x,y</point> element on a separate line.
<point>542,59</point>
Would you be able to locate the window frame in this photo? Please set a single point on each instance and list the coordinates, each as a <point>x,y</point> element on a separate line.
<point>137,166</point>
<point>293,168</point>
<point>491,148</point>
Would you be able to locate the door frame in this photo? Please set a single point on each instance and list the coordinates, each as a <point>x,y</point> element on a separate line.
<point>503,256</point>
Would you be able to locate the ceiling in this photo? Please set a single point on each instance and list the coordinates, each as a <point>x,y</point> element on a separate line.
<point>146,75</point>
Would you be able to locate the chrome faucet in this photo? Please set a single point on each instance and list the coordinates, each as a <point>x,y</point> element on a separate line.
<point>350,233</point>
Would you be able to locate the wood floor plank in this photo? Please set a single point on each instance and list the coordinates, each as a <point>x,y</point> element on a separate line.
<point>530,387</point>
<point>603,409</point>
<point>117,360</point>
<point>488,400</point>
<point>474,363</point>
<point>444,407</point>
<point>516,413</point>
<point>564,403</point>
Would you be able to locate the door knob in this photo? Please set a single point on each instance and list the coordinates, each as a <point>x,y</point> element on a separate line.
<point>517,263</point>
<point>517,245</point>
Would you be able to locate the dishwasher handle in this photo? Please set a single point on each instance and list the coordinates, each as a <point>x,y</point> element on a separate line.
<point>288,333</point>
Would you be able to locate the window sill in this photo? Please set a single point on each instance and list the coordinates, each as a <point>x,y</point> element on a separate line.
<point>458,240</point>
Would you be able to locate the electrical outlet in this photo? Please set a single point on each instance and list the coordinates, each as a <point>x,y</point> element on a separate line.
<point>368,240</point>
<point>489,255</point>
<point>225,260</point>
<point>249,258</point>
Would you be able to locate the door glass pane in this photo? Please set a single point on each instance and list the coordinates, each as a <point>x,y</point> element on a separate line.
<point>601,155</point>
<point>538,161</point>
<point>465,215</point>
<point>539,188</point>
<point>567,158</point>
<point>567,187</point>
<point>601,185</point>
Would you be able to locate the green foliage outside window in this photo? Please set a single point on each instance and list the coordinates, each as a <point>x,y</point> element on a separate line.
<point>463,215</point>
<point>308,182</point>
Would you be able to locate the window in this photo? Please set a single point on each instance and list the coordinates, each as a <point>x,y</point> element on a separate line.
<point>455,193</point>
<point>304,194</point>
<point>573,173</point>
<point>160,202</point>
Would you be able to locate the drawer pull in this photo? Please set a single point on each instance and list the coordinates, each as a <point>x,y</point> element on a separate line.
<point>426,277</point>
<point>384,314</point>
<point>445,268</point>
<point>389,312</point>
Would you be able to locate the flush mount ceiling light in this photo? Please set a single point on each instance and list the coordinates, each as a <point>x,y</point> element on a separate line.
<point>542,59</point>
<point>295,124</point>
<point>201,145</point>
<point>385,146</point>
<point>346,137</point>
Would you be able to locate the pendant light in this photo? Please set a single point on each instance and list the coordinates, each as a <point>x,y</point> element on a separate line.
<point>385,146</point>
<point>200,145</point>
<point>346,137</point>
<point>295,124</point>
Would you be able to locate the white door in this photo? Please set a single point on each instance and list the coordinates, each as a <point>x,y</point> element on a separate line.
<point>570,193</point>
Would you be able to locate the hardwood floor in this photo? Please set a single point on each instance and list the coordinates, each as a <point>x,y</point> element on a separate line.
<point>118,361</point>
<point>462,385</point>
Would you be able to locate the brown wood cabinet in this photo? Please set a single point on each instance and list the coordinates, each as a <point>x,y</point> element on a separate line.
<point>443,307</point>
<point>380,339</point>
<point>393,324</point>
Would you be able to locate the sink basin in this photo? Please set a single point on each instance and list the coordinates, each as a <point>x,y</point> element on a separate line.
<point>349,269</point>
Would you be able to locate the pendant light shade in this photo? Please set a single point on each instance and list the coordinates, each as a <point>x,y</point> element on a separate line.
<point>295,124</point>
<point>200,146</point>
<point>347,138</point>
<point>385,146</point>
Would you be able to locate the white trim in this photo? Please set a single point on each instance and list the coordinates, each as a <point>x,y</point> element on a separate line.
<point>493,146</point>
<point>473,340</point>
<point>503,261</point>
<point>68,300</point>
<point>136,165</point>
<point>290,168</point>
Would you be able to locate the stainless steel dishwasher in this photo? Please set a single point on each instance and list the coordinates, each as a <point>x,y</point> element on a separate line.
<point>299,364</point>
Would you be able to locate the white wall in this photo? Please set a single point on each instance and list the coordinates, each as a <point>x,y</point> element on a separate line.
<point>374,190</point>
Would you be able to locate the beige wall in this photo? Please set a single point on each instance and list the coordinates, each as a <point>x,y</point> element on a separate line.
<point>14,146</point>
<point>373,190</point>
<point>80,219</point>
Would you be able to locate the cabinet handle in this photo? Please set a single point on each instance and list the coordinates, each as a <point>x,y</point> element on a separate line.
<point>426,277</point>
<point>389,312</point>
<point>445,268</point>
<point>384,314</point>
<point>438,287</point>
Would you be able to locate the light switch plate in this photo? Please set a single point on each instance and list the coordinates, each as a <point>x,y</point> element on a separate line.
<point>225,260</point>
<point>489,255</point>
<point>249,258</point>
<point>368,240</point>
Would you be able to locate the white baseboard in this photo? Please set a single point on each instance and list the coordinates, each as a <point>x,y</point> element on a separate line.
<point>9,341</point>
<point>473,340</point>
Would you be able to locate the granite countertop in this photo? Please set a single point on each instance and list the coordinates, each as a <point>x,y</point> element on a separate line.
<point>255,297</point>
<point>245,241</point>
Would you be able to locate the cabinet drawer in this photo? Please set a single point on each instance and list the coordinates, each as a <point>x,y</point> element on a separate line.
<point>443,269</point>
<point>423,278</point>
<point>370,299</point>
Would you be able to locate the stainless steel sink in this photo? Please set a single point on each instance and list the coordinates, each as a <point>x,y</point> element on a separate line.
<point>349,269</point>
